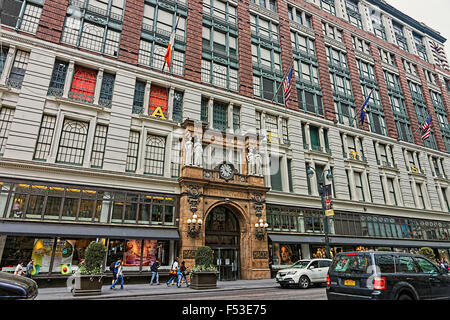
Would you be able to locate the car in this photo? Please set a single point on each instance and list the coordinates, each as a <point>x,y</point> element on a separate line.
<point>15,287</point>
<point>386,275</point>
<point>303,273</point>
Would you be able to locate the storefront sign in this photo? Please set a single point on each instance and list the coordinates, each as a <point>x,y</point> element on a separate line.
<point>189,254</point>
<point>260,255</point>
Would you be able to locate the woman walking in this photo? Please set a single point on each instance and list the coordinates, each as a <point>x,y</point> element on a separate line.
<point>173,272</point>
<point>182,274</point>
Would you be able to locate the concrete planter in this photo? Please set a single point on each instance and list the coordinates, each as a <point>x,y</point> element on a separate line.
<point>203,280</point>
<point>86,285</point>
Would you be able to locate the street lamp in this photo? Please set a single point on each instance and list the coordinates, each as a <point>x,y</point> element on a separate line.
<point>311,171</point>
<point>194,226</point>
<point>261,227</point>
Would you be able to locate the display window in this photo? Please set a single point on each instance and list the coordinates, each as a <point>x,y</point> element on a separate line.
<point>285,254</point>
<point>68,254</point>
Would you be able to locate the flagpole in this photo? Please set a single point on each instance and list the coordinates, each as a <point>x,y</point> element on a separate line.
<point>282,81</point>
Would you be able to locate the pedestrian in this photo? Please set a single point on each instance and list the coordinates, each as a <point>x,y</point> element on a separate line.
<point>173,272</point>
<point>19,269</point>
<point>115,266</point>
<point>29,269</point>
<point>119,275</point>
<point>182,274</point>
<point>155,274</point>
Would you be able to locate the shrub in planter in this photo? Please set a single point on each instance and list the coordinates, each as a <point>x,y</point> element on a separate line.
<point>203,274</point>
<point>89,281</point>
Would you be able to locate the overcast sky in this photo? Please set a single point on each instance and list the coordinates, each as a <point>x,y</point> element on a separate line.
<point>434,13</point>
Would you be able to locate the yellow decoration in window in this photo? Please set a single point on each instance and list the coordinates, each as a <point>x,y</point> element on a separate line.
<point>158,113</point>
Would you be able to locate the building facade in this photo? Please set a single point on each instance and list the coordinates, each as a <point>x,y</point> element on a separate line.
<point>101,140</point>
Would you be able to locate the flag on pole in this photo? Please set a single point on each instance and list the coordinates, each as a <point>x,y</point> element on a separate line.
<point>426,128</point>
<point>168,56</point>
<point>362,116</point>
<point>287,85</point>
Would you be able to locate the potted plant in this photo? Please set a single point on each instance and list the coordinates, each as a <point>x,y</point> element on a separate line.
<point>203,274</point>
<point>427,253</point>
<point>89,278</point>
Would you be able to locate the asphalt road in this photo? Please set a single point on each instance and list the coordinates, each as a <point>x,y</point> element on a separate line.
<point>315,293</point>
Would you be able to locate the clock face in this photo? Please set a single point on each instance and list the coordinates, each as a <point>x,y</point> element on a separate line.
<point>226,171</point>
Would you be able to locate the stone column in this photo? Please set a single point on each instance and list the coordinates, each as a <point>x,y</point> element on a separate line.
<point>211,113</point>
<point>8,64</point>
<point>141,154</point>
<point>146,103</point>
<point>284,173</point>
<point>98,86</point>
<point>69,76</point>
<point>90,142</point>
<point>307,136</point>
<point>170,104</point>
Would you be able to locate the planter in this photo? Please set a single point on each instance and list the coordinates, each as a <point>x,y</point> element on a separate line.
<point>86,285</point>
<point>203,280</point>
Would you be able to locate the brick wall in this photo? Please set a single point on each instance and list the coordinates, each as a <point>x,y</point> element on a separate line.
<point>52,20</point>
<point>245,50</point>
<point>324,72</point>
<point>131,32</point>
<point>193,58</point>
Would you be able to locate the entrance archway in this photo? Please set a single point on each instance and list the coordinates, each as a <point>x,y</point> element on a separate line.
<point>222,234</point>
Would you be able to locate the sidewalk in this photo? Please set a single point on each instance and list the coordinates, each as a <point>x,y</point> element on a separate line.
<point>135,290</point>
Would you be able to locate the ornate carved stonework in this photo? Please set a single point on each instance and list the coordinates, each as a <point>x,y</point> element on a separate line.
<point>194,197</point>
<point>259,203</point>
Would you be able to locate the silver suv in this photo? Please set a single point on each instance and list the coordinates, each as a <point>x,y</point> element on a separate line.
<point>303,273</point>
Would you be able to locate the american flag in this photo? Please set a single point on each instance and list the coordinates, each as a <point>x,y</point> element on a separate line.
<point>426,128</point>
<point>287,85</point>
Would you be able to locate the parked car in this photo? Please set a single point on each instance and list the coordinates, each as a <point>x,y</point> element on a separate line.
<point>386,276</point>
<point>303,273</point>
<point>14,287</point>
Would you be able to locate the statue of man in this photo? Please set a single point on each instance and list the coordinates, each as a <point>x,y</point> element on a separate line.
<point>198,152</point>
<point>258,164</point>
<point>251,161</point>
<point>188,150</point>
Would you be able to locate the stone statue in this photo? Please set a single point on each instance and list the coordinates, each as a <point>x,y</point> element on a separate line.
<point>198,152</point>
<point>251,161</point>
<point>188,150</point>
<point>258,164</point>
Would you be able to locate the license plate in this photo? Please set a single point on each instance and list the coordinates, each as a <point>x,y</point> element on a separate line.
<point>350,283</point>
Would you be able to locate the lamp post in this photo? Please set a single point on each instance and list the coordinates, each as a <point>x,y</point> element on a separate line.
<point>194,226</point>
<point>311,171</point>
<point>261,227</point>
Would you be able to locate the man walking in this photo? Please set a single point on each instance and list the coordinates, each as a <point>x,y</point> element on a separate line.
<point>19,269</point>
<point>115,268</point>
<point>30,269</point>
<point>155,273</point>
<point>119,275</point>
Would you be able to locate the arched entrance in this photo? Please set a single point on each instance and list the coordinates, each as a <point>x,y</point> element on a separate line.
<point>222,234</point>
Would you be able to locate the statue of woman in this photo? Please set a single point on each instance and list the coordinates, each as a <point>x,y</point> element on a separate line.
<point>258,164</point>
<point>198,152</point>
<point>251,161</point>
<point>188,150</point>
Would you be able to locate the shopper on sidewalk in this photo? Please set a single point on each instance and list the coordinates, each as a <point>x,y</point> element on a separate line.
<point>115,268</point>
<point>30,269</point>
<point>155,273</point>
<point>19,269</point>
<point>119,276</point>
<point>182,275</point>
<point>173,272</point>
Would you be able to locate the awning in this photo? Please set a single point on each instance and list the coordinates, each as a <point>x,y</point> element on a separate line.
<point>291,238</point>
<point>334,241</point>
<point>66,230</point>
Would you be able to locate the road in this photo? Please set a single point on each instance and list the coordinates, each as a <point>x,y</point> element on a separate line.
<point>316,293</point>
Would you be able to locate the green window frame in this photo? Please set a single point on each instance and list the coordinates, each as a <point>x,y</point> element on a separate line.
<point>155,151</point>
<point>220,116</point>
<point>98,146</point>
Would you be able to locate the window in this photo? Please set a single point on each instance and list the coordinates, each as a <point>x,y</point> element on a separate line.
<point>73,142</point>
<point>406,265</point>
<point>157,26</point>
<point>219,75</point>
<point>177,107</point>
<point>271,123</point>
<point>204,110</point>
<point>159,97</point>
<point>328,6</point>
<point>310,101</point>
<point>154,155</point>
<point>268,4</point>
<point>18,69</point>
<point>387,57</point>
<point>400,37</point>
<point>3,56</point>
<point>21,14</point>
<point>99,145</point>
<point>421,50</point>
<point>359,186</point>
<point>392,190</point>
<point>378,27</point>
<point>346,112</point>
<point>6,118</point>
<point>420,195</point>
<point>220,121</point>
<point>332,32</point>
<point>176,158</point>
<point>222,10</point>
<point>264,28</point>
<point>133,151</point>
<point>361,45</point>
<point>138,100</point>
<point>56,87</point>
<point>45,137</point>
<point>354,17</point>
<point>275,173</point>
<point>236,119</point>
<point>426,266</point>
<point>106,91</point>
<point>83,84</point>
<point>84,30</point>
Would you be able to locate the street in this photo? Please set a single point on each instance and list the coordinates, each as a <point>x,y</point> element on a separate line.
<point>250,294</point>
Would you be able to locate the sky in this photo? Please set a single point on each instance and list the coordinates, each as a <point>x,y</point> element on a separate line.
<point>434,13</point>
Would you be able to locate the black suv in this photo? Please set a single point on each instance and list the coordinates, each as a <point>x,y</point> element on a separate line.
<point>386,276</point>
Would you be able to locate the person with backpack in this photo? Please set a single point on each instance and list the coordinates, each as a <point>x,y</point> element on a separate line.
<point>119,275</point>
<point>173,272</point>
<point>182,275</point>
<point>114,267</point>
<point>154,269</point>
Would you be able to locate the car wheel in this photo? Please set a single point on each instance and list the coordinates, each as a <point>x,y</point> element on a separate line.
<point>283,285</point>
<point>304,282</point>
<point>404,297</point>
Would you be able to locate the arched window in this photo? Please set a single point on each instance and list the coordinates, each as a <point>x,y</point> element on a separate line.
<point>73,142</point>
<point>154,155</point>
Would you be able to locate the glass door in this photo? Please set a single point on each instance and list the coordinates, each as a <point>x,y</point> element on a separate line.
<point>226,261</point>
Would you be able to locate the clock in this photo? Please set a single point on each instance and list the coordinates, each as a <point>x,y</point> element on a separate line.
<point>226,171</point>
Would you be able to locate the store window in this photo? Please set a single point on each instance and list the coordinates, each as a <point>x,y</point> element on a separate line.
<point>6,118</point>
<point>83,84</point>
<point>158,102</point>
<point>285,254</point>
